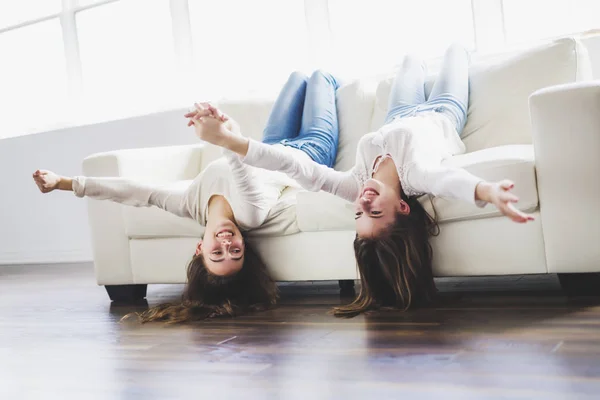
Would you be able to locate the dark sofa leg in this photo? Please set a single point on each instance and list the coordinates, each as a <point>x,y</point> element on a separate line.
<point>346,284</point>
<point>126,293</point>
<point>346,287</point>
<point>581,284</point>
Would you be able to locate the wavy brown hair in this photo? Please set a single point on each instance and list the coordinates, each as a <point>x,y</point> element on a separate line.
<point>208,296</point>
<point>395,269</point>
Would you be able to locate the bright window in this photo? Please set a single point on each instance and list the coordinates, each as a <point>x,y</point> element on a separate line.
<point>13,12</point>
<point>33,81</point>
<point>529,20</point>
<point>371,36</point>
<point>84,3</point>
<point>143,56</point>
<point>246,47</point>
<point>127,57</point>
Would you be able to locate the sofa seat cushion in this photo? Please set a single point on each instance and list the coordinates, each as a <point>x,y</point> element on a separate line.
<point>152,222</point>
<point>320,211</point>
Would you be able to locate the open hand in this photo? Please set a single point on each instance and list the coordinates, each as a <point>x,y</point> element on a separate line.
<point>501,196</point>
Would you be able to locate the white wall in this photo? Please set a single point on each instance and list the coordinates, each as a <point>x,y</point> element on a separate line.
<point>37,228</point>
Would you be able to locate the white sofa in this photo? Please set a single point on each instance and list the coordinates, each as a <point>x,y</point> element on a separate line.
<point>551,156</point>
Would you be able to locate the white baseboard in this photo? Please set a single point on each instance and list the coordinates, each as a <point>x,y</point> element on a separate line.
<point>45,256</point>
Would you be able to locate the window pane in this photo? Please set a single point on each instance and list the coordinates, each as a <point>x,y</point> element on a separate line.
<point>33,78</point>
<point>14,12</point>
<point>243,47</point>
<point>127,57</point>
<point>527,20</point>
<point>372,38</point>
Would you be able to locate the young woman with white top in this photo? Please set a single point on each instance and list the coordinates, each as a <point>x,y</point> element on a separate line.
<point>394,166</point>
<point>226,276</point>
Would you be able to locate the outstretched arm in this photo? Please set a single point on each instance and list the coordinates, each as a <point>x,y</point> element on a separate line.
<point>215,127</point>
<point>120,190</point>
<point>298,166</point>
<point>459,184</point>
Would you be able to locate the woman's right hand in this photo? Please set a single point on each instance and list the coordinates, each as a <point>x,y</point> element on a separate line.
<point>48,181</point>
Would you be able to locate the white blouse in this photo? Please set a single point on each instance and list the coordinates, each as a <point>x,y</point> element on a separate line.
<point>251,192</point>
<point>417,145</point>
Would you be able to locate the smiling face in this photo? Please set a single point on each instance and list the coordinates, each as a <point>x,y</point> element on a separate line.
<point>376,209</point>
<point>222,249</point>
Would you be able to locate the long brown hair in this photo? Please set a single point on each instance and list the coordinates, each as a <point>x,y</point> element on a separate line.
<point>395,269</point>
<point>207,295</point>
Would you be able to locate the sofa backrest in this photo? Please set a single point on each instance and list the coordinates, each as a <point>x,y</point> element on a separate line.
<point>498,114</point>
<point>500,89</point>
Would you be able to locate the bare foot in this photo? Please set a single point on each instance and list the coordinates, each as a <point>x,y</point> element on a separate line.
<point>46,181</point>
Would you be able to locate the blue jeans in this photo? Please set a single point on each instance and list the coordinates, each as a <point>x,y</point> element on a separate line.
<point>449,95</point>
<point>304,116</point>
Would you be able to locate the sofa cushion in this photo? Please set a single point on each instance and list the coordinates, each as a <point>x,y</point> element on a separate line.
<point>500,87</point>
<point>152,222</point>
<point>354,103</point>
<point>320,211</point>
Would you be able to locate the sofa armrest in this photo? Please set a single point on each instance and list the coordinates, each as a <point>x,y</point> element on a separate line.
<point>566,137</point>
<point>168,163</point>
<point>110,242</point>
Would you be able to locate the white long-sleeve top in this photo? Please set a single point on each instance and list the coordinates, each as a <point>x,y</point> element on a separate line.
<point>251,192</point>
<point>417,145</point>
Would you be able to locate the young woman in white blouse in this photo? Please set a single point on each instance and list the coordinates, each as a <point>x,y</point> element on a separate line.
<point>226,276</point>
<point>394,165</point>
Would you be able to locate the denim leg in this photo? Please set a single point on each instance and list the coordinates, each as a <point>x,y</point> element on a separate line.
<point>286,115</point>
<point>450,91</point>
<point>408,87</point>
<point>319,133</point>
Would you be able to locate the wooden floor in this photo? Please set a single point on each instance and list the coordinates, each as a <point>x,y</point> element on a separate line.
<point>507,338</point>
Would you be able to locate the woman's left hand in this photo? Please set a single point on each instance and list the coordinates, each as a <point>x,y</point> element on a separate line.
<point>202,110</point>
<point>210,124</point>
<point>207,109</point>
<point>500,195</point>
